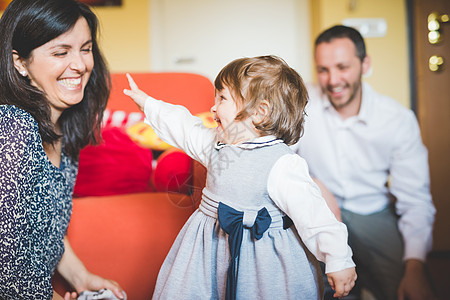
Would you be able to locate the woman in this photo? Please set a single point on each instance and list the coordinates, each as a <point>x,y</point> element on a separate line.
<point>54,85</point>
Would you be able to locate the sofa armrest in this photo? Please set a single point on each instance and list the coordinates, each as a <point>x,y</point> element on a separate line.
<point>125,237</point>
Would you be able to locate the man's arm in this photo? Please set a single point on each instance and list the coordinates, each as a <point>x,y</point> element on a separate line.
<point>410,185</point>
<point>330,199</point>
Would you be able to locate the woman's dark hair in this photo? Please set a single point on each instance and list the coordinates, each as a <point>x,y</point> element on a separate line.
<point>341,31</point>
<point>28,24</point>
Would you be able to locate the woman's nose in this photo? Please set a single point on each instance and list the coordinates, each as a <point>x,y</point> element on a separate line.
<point>77,63</point>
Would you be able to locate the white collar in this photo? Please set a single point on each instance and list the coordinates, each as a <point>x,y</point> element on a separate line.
<point>259,142</point>
<point>364,113</point>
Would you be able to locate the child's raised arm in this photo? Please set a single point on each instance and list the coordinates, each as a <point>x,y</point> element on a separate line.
<point>135,93</point>
<point>174,124</point>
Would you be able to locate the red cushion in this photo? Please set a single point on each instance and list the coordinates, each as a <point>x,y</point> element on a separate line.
<point>173,172</point>
<point>117,166</point>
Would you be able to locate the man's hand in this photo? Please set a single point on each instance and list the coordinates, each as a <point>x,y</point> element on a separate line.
<point>415,284</point>
<point>342,282</point>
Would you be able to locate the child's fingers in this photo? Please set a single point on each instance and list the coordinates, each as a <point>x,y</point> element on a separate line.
<point>131,82</point>
<point>343,290</point>
<point>331,282</point>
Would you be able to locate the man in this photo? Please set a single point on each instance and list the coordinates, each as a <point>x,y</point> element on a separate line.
<point>365,151</point>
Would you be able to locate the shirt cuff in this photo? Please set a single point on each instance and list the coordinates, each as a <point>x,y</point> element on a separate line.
<point>415,250</point>
<point>339,265</point>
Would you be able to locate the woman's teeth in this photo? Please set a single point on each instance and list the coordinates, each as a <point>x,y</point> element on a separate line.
<point>70,83</point>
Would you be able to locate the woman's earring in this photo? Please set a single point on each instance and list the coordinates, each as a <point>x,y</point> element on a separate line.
<point>23,73</point>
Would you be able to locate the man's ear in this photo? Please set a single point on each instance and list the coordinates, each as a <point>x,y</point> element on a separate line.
<point>366,65</point>
<point>262,111</point>
<point>19,64</point>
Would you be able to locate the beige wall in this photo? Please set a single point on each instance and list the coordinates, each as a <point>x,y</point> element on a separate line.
<point>125,38</point>
<point>389,54</point>
<point>125,35</point>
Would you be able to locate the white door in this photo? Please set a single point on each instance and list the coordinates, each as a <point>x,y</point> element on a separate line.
<point>202,36</point>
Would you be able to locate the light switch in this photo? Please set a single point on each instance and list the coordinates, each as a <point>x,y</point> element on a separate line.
<point>368,27</point>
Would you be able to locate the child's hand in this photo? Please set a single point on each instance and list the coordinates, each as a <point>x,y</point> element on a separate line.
<point>342,281</point>
<point>135,93</point>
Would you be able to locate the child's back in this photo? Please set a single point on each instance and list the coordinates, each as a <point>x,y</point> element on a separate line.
<point>274,267</point>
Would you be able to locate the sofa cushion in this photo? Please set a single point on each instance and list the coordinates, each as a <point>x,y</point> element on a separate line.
<point>173,172</point>
<point>117,166</point>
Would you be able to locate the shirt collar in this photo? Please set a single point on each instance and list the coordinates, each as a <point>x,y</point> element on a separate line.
<point>364,111</point>
<point>259,142</point>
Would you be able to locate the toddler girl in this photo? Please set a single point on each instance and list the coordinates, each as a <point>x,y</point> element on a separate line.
<point>262,223</point>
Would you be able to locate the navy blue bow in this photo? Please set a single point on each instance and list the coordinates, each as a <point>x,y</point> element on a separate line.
<point>230,220</point>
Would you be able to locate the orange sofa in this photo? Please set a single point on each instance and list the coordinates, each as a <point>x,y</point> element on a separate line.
<point>126,237</point>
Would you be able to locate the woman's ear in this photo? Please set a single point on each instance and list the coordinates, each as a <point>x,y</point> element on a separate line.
<point>19,64</point>
<point>262,111</point>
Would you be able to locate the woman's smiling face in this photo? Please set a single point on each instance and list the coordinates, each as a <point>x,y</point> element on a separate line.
<point>61,68</point>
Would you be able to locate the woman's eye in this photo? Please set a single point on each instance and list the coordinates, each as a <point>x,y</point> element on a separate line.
<point>87,50</point>
<point>60,53</point>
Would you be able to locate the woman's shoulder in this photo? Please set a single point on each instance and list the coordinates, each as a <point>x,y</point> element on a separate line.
<point>12,116</point>
<point>17,125</point>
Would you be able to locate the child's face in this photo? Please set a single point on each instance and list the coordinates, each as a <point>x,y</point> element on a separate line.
<point>229,130</point>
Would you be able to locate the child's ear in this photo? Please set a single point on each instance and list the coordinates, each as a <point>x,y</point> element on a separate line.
<point>262,111</point>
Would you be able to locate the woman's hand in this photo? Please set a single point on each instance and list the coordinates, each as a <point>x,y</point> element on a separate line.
<point>69,296</point>
<point>74,272</point>
<point>92,282</point>
<point>138,96</point>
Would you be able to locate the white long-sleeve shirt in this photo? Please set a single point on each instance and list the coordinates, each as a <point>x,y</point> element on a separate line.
<point>366,159</point>
<point>323,235</point>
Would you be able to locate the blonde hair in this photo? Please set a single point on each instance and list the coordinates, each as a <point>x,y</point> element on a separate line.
<point>252,80</point>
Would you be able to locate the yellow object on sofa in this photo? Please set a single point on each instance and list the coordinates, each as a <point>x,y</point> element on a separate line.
<point>146,137</point>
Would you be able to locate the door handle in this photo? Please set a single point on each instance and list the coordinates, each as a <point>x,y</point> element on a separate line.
<point>435,63</point>
<point>434,25</point>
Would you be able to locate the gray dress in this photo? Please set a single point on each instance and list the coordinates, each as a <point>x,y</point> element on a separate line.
<point>276,266</point>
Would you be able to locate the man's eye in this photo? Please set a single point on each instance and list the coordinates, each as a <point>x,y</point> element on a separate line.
<point>60,53</point>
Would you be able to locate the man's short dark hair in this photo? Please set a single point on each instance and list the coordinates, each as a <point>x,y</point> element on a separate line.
<point>340,31</point>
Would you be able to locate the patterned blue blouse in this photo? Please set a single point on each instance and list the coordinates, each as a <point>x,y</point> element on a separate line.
<point>35,208</point>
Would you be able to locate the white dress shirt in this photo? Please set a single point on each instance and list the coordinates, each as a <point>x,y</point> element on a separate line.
<point>289,184</point>
<point>366,159</point>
